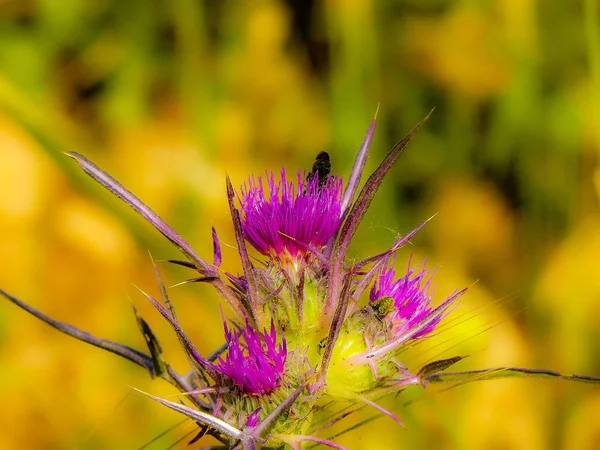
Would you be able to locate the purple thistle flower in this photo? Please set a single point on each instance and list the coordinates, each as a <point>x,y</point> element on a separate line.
<point>411,295</point>
<point>255,365</point>
<point>293,217</point>
<point>258,394</point>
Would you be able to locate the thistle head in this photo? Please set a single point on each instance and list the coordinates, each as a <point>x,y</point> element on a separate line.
<point>398,312</point>
<point>325,345</point>
<point>293,217</point>
<point>323,339</point>
<point>255,362</point>
<point>404,301</point>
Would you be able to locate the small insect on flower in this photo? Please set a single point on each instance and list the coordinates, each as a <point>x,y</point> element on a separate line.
<point>321,168</point>
<point>329,345</point>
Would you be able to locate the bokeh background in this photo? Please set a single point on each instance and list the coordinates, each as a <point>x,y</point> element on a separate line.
<point>169,96</point>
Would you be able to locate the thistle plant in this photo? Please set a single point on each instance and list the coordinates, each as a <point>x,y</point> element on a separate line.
<point>310,336</point>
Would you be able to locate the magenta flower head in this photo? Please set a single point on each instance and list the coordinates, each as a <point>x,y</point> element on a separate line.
<point>345,346</point>
<point>411,299</point>
<point>292,217</point>
<point>254,362</point>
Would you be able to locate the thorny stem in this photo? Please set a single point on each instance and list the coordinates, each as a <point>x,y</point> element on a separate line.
<point>135,356</point>
<point>130,354</point>
<point>356,214</point>
<point>141,208</point>
<point>182,382</point>
<point>336,325</point>
<point>116,188</point>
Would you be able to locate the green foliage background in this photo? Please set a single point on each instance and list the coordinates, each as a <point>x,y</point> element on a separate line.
<point>170,96</point>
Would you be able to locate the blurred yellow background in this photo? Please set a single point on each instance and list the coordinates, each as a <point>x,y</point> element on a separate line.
<point>170,96</point>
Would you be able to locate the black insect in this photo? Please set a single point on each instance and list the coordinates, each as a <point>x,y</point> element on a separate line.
<point>321,168</point>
